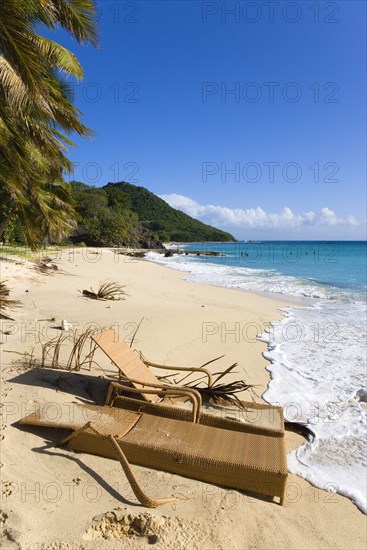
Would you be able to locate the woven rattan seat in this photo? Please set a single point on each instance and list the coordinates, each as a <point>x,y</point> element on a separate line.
<point>245,461</point>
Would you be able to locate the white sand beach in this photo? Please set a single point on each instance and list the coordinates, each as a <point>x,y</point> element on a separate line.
<point>56,499</point>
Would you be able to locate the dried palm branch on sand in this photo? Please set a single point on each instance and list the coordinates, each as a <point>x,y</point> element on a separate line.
<point>218,393</point>
<point>108,290</point>
<point>6,302</point>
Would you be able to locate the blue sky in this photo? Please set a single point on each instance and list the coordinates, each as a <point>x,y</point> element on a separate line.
<point>247,115</point>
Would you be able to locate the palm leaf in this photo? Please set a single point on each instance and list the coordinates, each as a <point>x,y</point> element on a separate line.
<point>107,290</point>
<point>6,302</point>
<point>78,17</point>
<point>58,56</point>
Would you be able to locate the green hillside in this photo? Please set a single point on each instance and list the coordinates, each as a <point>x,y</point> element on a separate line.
<point>121,214</point>
<point>164,222</point>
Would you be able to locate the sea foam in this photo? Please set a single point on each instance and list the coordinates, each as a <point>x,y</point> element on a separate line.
<point>317,367</point>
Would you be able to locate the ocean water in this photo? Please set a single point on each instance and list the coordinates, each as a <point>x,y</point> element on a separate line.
<point>317,351</point>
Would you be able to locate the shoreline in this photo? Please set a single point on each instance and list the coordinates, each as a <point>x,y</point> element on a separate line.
<point>294,301</point>
<point>183,325</point>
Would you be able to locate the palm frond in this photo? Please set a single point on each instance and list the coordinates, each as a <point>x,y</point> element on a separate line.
<point>107,290</point>
<point>58,56</point>
<point>226,393</point>
<point>78,17</point>
<point>223,392</point>
<point>15,91</point>
<point>6,302</point>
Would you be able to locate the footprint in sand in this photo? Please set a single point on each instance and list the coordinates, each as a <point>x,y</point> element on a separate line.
<point>7,489</point>
<point>2,428</point>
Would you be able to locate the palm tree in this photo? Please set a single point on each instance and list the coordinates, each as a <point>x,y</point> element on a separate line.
<point>29,55</point>
<point>36,111</point>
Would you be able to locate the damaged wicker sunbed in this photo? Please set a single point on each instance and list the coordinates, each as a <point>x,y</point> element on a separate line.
<point>252,462</point>
<point>150,395</point>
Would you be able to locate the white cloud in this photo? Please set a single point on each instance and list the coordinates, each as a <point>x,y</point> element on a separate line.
<point>256,218</point>
<point>328,217</point>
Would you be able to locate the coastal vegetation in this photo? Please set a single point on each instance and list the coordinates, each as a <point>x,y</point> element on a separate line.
<point>163,221</point>
<point>122,214</point>
<point>37,115</point>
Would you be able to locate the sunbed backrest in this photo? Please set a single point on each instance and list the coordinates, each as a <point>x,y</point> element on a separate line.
<point>126,360</point>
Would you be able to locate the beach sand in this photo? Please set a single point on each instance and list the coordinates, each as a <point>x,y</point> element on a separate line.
<point>54,498</point>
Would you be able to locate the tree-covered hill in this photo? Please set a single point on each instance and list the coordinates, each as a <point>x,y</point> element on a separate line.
<point>105,218</point>
<point>164,222</point>
<point>121,214</point>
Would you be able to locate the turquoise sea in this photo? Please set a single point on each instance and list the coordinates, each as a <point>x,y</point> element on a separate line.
<point>317,352</point>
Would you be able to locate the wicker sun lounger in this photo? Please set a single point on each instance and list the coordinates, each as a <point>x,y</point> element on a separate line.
<point>133,366</point>
<point>245,461</point>
<point>134,371</point>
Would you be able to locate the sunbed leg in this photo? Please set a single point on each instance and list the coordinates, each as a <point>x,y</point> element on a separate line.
<point>75,433</point>
<point>138,491</point>
<point>111,387</point>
